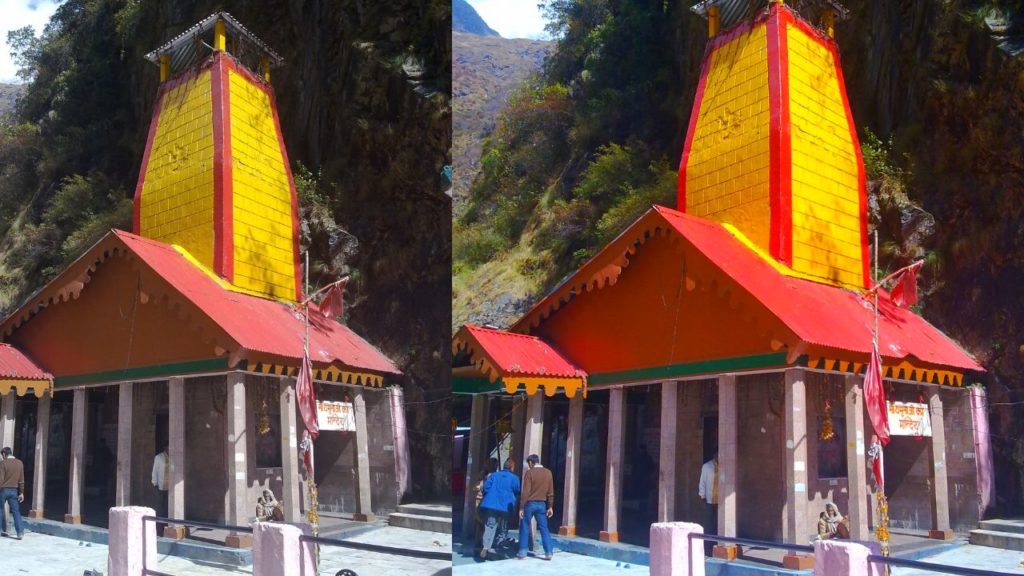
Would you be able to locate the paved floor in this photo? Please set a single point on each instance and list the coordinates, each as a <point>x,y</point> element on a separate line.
<point>561,564</point>
<point>42,555</point>
<point>969,556</point>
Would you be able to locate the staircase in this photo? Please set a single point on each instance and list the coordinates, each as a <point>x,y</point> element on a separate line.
<point>428,517</point>
<point>1006,534</point>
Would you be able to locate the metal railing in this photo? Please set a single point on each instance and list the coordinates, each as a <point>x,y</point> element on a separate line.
<point>942,568</point>
<point>146,571</point>
<point>751,542</point>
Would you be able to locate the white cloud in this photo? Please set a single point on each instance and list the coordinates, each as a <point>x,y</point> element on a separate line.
<point>512,18</point>
<point>18,14</point>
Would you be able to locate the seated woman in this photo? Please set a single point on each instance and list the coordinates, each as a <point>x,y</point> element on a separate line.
<point>831,524</point>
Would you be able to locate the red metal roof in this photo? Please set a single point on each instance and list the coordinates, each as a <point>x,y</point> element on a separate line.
<point>15,365</point>
<point>520,354</point>
<point>821,314</point>
<point>255,323</point>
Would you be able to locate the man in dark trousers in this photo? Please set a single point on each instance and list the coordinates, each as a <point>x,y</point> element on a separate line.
<point>707,489</point>
<point>536,501</point>
<point>12,491</point>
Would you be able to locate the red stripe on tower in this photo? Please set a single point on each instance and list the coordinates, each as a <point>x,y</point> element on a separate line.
<point>223,209</point>
<point>780,183</point>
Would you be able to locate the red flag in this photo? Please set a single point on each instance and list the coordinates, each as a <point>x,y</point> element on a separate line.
<point>306,396</point>
<point>877,463</point>
<point>904,293</point>
<point>874,397</point>
<point>333,304</point>
<point>307,454</point>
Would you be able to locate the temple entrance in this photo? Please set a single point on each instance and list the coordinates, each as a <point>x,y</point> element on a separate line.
<point>592,475</point>
<point>58,456</point>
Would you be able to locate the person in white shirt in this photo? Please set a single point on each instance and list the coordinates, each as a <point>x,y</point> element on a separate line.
<point>707,489</point>
<point>161,478</point>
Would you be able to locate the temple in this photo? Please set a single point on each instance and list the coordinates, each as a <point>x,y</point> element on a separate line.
<point>187,333</point>
<point>737,323</point>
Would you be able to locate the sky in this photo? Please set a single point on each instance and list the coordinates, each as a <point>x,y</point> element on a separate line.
<point>512,18</point>
<point>17,14</point>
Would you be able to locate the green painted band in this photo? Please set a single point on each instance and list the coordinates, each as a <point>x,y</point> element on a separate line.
<point>757,361</point>
<point>143,372</point>
<point>475,385</point>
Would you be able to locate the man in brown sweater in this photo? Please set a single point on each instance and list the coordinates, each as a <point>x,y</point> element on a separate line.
<point>536,501</point>
<point>12,491</point>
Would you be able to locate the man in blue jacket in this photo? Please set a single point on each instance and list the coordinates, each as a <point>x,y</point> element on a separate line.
<point>501,491</point>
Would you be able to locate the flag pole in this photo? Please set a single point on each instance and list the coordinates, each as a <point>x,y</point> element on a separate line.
<point>882,515</point>
<point>313,514</point>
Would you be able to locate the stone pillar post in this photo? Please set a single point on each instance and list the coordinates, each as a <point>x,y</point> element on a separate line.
<point>364,507</point>
<point>518,425</point>
<point>77,471</point>
<point>176,456</point>
<point>123,481</point>
<point>573,443</point>
<point>937,459</point>
<point>238,466</point>
<point>474,460</point>
<point>728,464</point>
<point>290,477</point>
<point>667,452</point>
<point>42,443</point>
<point>856,470</point>
<point>7,416</point>
<point>797,531</point>
<point>132,548</point>
<point>533,434</point>
<point>613,485</point>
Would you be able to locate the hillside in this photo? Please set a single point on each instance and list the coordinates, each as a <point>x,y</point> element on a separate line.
<point>9,94</point>
<point>466,19</point>
<point>937,91</point>
<point>364,103</point>
<point>484,70</point>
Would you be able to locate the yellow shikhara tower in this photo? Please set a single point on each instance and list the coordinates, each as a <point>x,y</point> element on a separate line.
<point>772,150</point>
<point>215,179</point>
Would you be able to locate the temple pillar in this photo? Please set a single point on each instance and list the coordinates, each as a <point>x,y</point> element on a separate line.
<point>518,423</point>
<point>728,463</point>
<point>474,461</point>
<point>534,430</point>
<point>290,478</point>
<point>77,469</point>
<point>613,485</point>
<point>667,452</point>
<point>7,416</point>
<point>123,481</point>
<point>364,507</point>
<point>937,460</point>
<point>856,470</point>
<point>237,465</point>
<point>42,442</point>
<point>797,531</point>
<point>573,442</point>
<point>176,456</point>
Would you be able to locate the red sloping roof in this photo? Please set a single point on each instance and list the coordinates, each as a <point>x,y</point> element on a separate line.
<point>521,354</point>
<point>258,324</point>
<point>15,365</point>
<point>821,314</point>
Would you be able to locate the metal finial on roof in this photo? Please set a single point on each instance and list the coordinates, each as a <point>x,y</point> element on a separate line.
<point>733,11</point>
<point>194,44</point>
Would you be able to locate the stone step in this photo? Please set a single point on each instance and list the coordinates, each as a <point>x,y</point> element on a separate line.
<point>437,510</point>
<point>420,522</point>
<point>996,539</point>
<point>1008,525</point>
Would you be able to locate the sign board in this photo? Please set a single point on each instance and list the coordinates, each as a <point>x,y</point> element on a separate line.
<point>909,419</point>
<point>335,416</point>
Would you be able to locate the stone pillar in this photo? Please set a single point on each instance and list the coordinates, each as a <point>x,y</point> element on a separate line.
<point>474,461</point>
<point>533,434</point>
<point>937,459</point>
<point>238,466</point>
<point>123,481</point>
<point>667,452</point>
<point>728,464</point>
<point>797,531</point>
<point>856,469</point>
<point>573,443</point>
<point>42,442</point>
<point>290,477</point>
<point>277,551</point>
<point>77,470</point>
<point>364,507</point>
<point>613,485</point>
<point>176,456</point>
<point>132,547</point>
<point>672,553</point>
<point>518,425</point>
<point>7,416</point>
